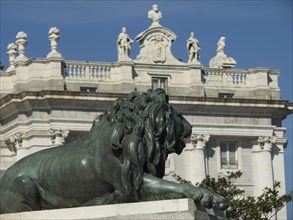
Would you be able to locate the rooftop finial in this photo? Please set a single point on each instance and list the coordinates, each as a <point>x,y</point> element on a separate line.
<point>54,37</point>
<point>11,52</point>
<point>21,43</point>
<point>155,15</point>
<point>221,60</point>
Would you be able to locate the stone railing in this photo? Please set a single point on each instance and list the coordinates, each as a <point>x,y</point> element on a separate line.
<point>87,70</point>
<point>219,77</point>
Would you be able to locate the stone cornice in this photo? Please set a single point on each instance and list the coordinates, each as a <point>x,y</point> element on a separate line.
<point>27,102</point>
<point>69,100</point>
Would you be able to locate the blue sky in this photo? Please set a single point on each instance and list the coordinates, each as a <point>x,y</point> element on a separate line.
<point>258,34</point>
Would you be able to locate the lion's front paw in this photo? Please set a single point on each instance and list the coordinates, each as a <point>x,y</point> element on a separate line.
<point>206,198</point>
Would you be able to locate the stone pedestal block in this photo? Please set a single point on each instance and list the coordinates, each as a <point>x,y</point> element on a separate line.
<point>164,209</point>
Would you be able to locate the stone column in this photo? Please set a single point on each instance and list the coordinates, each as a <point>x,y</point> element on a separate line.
<point>262,164</point>
<point>11,52</point>
<point>195,158</point>
<point>21,43</point>
<point>58,136</point>
<point>279,169</point>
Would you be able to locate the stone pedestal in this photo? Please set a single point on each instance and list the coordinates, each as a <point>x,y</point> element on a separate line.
<point>164,209</point>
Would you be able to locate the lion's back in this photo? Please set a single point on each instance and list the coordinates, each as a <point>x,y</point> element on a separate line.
<point>38,163</point>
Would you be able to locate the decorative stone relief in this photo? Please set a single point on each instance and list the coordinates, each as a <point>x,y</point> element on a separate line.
<point>53,38</point>
<point>158,49</point>
<point>124,46</point>
<point>11,52</point>
<point>155,46</point>
<point>193,49</point>
<point>266,143</point>
<point>221,60</point>
<point>15,142</point>
<point>58,136</point>
<point>21,43</point>
<point>199,141</point>
<point>155,15</point>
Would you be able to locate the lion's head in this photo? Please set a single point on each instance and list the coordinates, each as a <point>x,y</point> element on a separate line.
<point>145,130</point>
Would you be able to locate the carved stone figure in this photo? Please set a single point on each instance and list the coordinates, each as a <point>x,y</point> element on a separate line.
<point>221,60</point>
<point>121,159</point>
<point>124,45</point>
<point>221,45</point>
<point>193,49</point>
<point>155,15</point>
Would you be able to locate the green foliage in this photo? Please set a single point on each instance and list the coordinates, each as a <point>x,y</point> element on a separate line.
<point>263,207</point>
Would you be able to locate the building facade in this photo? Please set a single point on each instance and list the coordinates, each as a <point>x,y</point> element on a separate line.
<point>236,114</point>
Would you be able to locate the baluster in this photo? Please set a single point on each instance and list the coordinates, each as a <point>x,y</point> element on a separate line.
<point>227,78</point>
<point>96,72</point>
<point>233,78</point>
<point>209,78</point>
<point>90,68</point>
<point>104,72</point>
<point>84,70</point>
<point>74,70</point>
<point>243,79</point>
<point>219,79</point>
<point>69,71</point>
<point>80,69</point>
<point>238,79</point>
<point>99,71</point>
<point>109,72</point>
<point>77,71</point>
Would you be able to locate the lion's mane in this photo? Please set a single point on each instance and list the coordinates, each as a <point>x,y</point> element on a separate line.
<point>145,130</point>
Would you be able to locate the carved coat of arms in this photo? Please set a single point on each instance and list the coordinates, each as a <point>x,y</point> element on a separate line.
<point>158,49</point>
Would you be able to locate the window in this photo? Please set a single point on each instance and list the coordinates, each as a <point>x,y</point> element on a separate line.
<point>226,95</point>
<point>159,82</point>
<point>228,155</point>
<point>88,89</point>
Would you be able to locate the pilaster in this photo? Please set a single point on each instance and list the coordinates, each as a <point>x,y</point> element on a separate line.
<point>262,163</point>
<point>195,158</point>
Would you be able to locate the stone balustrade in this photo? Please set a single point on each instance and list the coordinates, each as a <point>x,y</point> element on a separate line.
<point>225,77</point>
<point>87,70</point>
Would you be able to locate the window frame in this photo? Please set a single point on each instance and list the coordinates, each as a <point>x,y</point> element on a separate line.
<point>228,164</point>
<point>159,78</point>
<point>238,155</point>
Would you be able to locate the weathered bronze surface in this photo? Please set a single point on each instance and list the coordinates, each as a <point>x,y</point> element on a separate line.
<point>122,159</point>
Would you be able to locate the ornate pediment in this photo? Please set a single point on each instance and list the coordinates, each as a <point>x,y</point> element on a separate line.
<point>155,46</point>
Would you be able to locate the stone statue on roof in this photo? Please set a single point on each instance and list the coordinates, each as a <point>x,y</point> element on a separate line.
<point>221,45</point>
<point>155,15</point>
<point>124,45</point>
<point>221,60</point>
<point>193,49</point>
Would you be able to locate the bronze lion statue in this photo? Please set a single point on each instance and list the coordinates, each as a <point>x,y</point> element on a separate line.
<point>122,159</point>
